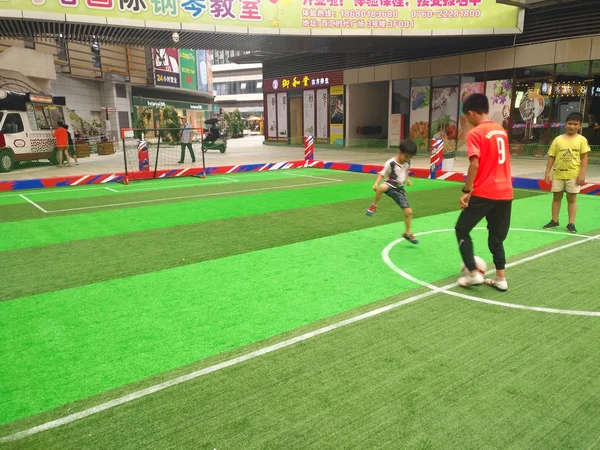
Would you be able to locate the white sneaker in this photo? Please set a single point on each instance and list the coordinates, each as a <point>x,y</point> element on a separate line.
<point>472,279</point>
<point>501,285</point>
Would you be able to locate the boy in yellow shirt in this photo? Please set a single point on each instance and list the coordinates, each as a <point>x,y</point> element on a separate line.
<point>569,156</point>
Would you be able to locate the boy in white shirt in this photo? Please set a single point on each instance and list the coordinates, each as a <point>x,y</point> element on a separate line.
<point>395,172</point>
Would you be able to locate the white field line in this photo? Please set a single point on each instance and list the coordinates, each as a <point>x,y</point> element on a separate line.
<point>445,289</point>
<point>110,189</point>
<point>310,176</point>
<point>33,203</point>
<point>141,202</point>
<point>263,351</point>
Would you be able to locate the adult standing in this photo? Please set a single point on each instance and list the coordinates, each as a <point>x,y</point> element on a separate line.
<point>186,140</point>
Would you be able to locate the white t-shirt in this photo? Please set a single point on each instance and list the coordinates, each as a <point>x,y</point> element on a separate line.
<point>394,173</point>
<point>186,133</point>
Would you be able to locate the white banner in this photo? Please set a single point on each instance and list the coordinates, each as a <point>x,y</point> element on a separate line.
<point>309,113</point>
<point>282,116</point>
<point>396,128</point>
<point>322,113</point>
<point>271,116</point>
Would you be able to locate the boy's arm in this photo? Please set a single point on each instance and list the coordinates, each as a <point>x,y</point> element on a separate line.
<point>473,168</point>
<point>379,178</point>
<point>584,164</point>
<point>549,165</point>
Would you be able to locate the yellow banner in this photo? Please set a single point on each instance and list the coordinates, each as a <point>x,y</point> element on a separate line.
<point>331,17</point>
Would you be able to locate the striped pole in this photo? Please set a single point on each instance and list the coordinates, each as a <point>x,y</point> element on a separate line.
<point>309,149</point>
<point>435,160</point>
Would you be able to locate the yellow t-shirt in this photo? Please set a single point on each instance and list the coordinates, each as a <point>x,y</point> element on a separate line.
<point>567,151</point>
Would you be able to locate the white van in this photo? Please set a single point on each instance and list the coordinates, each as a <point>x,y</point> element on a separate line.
<point>27,124</point>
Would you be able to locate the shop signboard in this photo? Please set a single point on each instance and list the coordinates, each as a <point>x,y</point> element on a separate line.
<point>188,69</point>
<point>304,81</point>
<point>336,113</point>
<point>166,67</point>
<point>329,17</point>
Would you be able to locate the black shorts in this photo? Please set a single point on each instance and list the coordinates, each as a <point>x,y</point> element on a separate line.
<point>398,195</point>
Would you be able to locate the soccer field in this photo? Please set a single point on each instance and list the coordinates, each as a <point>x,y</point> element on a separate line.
<point>265,310</point>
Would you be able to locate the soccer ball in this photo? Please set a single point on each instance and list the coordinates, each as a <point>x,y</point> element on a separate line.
<point>480,263</point>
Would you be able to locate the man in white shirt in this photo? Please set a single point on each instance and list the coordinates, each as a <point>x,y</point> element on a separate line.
<point>186,140</point>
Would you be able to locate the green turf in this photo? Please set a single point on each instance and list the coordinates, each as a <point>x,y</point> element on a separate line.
<point>74,343</point>
<point>51,230</point>
<point>439,373</point>
<point>173,186</point>
<point>105,258</point>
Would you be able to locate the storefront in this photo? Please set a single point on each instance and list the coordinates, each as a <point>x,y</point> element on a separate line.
<point>196,113</point>
<point>305,105</point>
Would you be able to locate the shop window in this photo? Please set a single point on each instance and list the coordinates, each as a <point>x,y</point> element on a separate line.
<point>444,115</point>
<point>592,130</point>
<point>533,72</point>
<point>13,124</point>
<point>470,84</point>
<point>401,101</point>
<point>477,77</point>
<point>62,53</point>
<point>259,86</point>
<point>507,74</point>
<point>570,92</point>
<point>420,100</point>
<point>531,114</point>
<point>453,80</point>
<point>96,60</point>
<point>121,90</point>
<point>243,86</point>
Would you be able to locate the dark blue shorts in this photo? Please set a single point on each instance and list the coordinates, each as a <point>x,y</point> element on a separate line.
<point>398,195</point>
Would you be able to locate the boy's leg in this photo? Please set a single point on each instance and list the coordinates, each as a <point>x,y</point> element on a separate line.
<point>572,206</point>
<point>60,156</point>
<point>383,188</point>
<point>556,201</point>
<point>407,219</point>
<point>378,193</point>
<point>498,220</point>
<point>469,218</point>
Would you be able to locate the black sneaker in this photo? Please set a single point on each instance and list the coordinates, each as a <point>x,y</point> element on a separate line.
<point>571,228</point>
<point>551,224</point>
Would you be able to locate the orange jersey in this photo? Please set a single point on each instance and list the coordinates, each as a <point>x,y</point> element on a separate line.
<point>62,138</point>
<point>489,142</point>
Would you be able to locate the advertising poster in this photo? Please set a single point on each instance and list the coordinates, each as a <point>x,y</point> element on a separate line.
<point>395,134</point>
<point>309,113</point>
<point>322,115</point>
<point>328,16</point>
<point>444,116</point>
<point>201,58</point>
<point>282,116</point>
<point>464,127</point>
<point>188,69</point>
<point>209,70</point>
<point>271,116</point>
<point>166,67</point>
<point>419,116</point>
<point>499,93</point>
<point>336,112</point>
